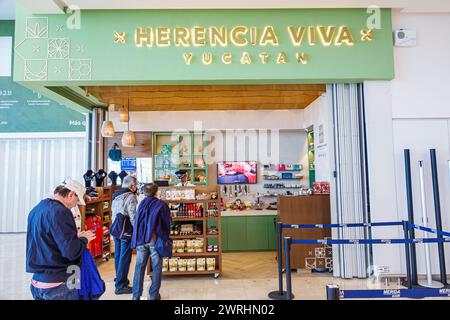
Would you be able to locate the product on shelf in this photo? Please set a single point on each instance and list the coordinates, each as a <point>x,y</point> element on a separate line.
<point>182,265</point>
<point>190,264</point>
<point>212,230</point>
<point>94,224</point>
<point>201,262</point>
<point>173,264</point>
<point>190,246</point>
<point>177,194</point>
<point>198,245</point>
<point>212,248</point>
<point>213,210</point>
<point>321,187</point>
<point>181,244</point>
<point>211,264</point>
<point>165,264</point>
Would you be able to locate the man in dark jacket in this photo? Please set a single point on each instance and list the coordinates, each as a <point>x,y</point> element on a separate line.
<point>124,202</point>
<point>54,248</point>
<point>152,222</point>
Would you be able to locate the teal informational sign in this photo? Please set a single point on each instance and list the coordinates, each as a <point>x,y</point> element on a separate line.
<point>23,110</point>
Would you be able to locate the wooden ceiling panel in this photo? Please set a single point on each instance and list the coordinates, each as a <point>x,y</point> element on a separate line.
<point>202,97</point>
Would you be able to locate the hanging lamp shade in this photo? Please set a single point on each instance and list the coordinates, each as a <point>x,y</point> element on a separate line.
<point>108,130</point>
<point>128,139</point>
<point>123,115</point>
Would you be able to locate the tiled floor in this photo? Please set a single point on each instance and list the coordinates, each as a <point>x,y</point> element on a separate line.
<point>235,284</point>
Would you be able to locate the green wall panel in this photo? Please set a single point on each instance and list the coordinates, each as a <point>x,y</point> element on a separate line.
<point>250,233</point>
<point>237,234</point>
<point>89,54</point>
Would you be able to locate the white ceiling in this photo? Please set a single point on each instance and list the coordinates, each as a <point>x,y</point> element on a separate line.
<point>7,9</point>
<point>55,6</point>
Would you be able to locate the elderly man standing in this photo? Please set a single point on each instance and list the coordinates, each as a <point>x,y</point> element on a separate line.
<point>53,244</point>
<point>124,202</point>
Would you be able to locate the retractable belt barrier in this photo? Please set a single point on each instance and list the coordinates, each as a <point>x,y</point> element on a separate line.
<point>372,241</point>
<point>340,225</point>
<point>430,230</point>
<point>333,292</point>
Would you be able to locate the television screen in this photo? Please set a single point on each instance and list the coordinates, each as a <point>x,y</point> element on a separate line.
<point>236,172</point>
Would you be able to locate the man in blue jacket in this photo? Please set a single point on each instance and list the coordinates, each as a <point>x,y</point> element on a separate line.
<point>152,222</point>
<point>54,248</point>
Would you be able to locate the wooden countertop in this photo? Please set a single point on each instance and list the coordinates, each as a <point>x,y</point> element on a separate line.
<point>249,213</point>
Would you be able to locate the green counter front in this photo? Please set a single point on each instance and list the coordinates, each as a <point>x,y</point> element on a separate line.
<point>249,233</point>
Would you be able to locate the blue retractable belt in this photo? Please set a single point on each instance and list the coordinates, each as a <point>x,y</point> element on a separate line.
<point>340,225</point>
<point>367,241</point>
<point>394,293</point>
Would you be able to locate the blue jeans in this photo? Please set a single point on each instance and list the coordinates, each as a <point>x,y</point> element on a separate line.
<point>143,252</point>
<point>122,261</point>
<point>59,293</point>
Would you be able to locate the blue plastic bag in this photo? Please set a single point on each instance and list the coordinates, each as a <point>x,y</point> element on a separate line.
<point>92,286</point>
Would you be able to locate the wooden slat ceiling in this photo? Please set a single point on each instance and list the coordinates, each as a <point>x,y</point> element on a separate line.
<point>209,97</point>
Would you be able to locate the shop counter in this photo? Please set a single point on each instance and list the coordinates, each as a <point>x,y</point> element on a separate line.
<point>249,213</point>
<point>253,230</point>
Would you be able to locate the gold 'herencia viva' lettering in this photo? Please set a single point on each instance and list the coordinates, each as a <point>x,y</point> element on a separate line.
<point>241,36</point>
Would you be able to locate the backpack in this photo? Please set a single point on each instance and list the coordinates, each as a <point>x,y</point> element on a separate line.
<point>92,286</point>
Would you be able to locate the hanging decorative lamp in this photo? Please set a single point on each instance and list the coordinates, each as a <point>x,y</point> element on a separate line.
<point>107,130</point>
<point>128,138</point>
<point>123,115</point>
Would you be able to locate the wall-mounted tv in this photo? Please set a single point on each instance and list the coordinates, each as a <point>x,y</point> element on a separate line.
<point>236,172</point>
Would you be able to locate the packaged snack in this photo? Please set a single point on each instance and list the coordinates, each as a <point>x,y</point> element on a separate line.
<point>198,245</point>
<point>174,246</point>
<point>190,264</point>
<point>201,264</point>
<point>181,245</point>
<point>173,264</point>
<point>182,265</point>
<point>190,246</point>
<point>211,264</point>
<point>165,264</point>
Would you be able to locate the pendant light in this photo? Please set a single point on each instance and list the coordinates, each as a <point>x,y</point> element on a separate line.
<point>107,130</point>
<point>128,138</point>
<point>123,115</point>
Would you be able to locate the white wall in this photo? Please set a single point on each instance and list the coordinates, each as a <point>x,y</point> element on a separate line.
<point>419,92</point>
<point>212,120</point>
<point>31,168</point>
<point>318,114</point>
<point>422,82</point>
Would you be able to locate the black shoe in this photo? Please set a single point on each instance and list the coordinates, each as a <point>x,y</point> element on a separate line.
<point>127,290</point>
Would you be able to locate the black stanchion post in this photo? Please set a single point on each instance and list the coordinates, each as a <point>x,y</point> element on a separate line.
<point>333,292</point>
<point>407,256</point>
<point>437,211</point>
<point>279,294</point>
<point>287,253</point>
<point>409,200</point>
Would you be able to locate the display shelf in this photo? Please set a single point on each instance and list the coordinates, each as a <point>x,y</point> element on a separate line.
<point>265,179</point>
<point>100,212</point>
<point>180,273</point>
<point>184,147</point>
<point>196,254</point>
<point>188,201</point>
<point>187,237</point>
<point>204,219</point>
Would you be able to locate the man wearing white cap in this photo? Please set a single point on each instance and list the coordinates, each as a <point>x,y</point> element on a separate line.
<point>53,244</point>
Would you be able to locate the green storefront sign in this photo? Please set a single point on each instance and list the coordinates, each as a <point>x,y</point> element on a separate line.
<point>202,46</point>
<point>24,110</point>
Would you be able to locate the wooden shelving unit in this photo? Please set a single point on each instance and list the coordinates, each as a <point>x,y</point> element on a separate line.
<point>102,209</point>
<point>186,148</point>
<point>205,222</point>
